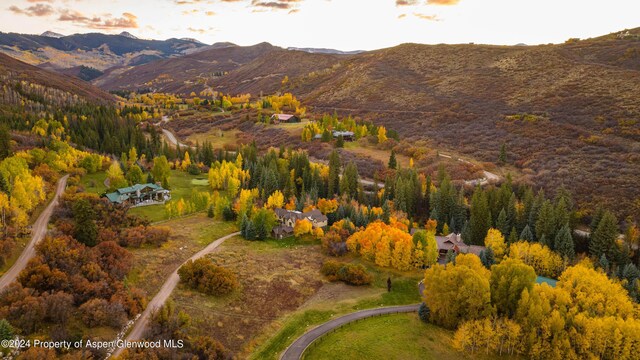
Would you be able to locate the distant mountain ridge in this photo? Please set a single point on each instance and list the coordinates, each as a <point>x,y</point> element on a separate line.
<point>326,51</point>
<point>52,34</point>
<point>95,50</point>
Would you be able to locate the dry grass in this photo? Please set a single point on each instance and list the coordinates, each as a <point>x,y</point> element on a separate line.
<point>275,280</point>
<point>217,137</point>
<point>190,235</point>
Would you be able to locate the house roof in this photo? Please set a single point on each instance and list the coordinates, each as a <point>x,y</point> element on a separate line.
<point>125,193</point>
<point>114,197</point>
<point>316,215</point>
<point>282,229</point>
<point>342,133</point>
<point>136,187</point>
<point>283,117</point>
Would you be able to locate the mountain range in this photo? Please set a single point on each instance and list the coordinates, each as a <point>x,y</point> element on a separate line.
<point>99,51</point>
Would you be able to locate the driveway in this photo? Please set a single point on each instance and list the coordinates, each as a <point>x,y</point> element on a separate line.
<point>165,291</point>
<point>39,230</point>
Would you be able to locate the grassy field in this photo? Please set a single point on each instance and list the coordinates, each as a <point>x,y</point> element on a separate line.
<point>335,299</point>
<point>398,336</point>
<point>218,138</point>
<point>377,154</point>
<point>189,235</point>
<point>182,184</point>
<point>94,183</point>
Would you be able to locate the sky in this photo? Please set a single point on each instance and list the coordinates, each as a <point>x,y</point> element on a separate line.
<point>337,24</point>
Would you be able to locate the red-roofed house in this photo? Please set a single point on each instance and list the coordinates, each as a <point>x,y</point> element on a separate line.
<point>278,118</point>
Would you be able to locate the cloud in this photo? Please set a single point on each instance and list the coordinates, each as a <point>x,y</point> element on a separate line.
<point>277,4</point>
<point>200,31</point>
<point>126,21</point>
<point>442,2</point>
<point>406,2</point>
<point>427,17</point>
<point>35,10</point>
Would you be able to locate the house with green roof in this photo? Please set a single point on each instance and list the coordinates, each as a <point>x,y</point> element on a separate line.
<point>140,195</point>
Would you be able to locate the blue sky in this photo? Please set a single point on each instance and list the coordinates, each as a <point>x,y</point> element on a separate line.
<point>340,24</point>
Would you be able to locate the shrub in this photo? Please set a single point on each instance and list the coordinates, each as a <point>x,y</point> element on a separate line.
<point>348,273</point>
<point>144,235</point>
<point>204,276</point>
<point>424,312</point>
<point>354,275</point>
<point>193,169</point>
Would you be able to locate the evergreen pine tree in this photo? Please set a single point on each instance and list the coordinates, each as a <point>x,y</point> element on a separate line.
<point>244,223</point>
<point>250,231</point>
<point>526,234</point>
<point>603,239</point>
<point>487,258</point>
<point>503,154</point>
<point>334,173</point>
<point>595,219</point>
<point>451,257</point>
<point>6,330</point>
<point>545,225</point>
<point>513,236</point>
<point>386,212</point>
<point>150,178</point>
<point>4,187</point>
<point>604,263</point>
<point>480,220</point>
<point>210,212</point>
<point>501,223</point>
<point>5,142</point>
<point>85,230</point>
<point>393,163</point>
<point>340,142</point>
<point>564,243</point>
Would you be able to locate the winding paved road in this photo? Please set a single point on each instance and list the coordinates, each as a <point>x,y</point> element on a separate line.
<point>295,350</point>
<point>165,291</point>
<point>39,230</point>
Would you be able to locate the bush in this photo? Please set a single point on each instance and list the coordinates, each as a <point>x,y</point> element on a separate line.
<point>193,169</point>
<point>424,312</point>
<point>347,273</point>
<point>204,276</point>
<point>144,235</point>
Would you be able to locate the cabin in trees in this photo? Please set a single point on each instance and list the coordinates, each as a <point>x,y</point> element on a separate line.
<point>139,195</point>
<point>287,220</point>
<point>454,242</point>
<point>346,135</point>
<point>284,118</point>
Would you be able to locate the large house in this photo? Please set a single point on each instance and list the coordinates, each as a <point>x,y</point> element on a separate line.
<point>140,195</point>
<point>288,218</point>
<point>284,118</point>
<point>454,242</point>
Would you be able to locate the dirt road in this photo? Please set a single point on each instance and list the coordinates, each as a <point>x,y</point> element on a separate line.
<point>38,232</point>
<point>165,291</point>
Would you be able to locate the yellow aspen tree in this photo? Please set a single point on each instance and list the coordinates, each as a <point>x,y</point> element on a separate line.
<point>275,200</point>
<point>302,227</point>
<point>495,241</point>
<point>382,135</point>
